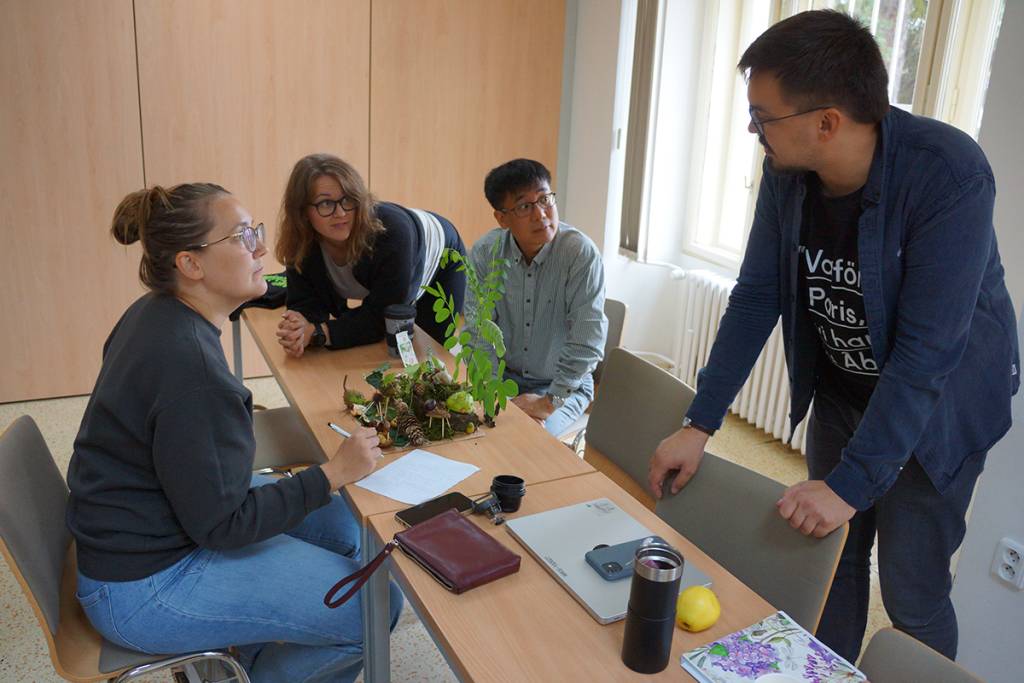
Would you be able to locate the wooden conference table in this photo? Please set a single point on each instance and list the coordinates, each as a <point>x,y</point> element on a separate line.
<point>522,627</point>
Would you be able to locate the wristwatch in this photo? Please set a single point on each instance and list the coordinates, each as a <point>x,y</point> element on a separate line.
<point>687,422</point>
<point>318,338</point>
<point>556,400</point>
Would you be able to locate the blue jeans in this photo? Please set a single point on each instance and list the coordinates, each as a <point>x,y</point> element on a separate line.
<point>265,598</point>
<point>575,404</point>
<point>918,530</point>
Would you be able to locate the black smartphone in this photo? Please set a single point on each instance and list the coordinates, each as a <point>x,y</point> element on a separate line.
<point>614,562</point>
<point>432,508</point>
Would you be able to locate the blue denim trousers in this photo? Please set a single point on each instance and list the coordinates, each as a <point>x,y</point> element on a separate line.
<point>574,406</point>
<point>918,531</point>
<point>265,598</point>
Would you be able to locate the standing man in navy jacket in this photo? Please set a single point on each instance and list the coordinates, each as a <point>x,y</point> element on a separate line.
<point>873,239</point>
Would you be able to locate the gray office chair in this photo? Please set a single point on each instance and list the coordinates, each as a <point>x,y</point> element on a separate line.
<point>283,441</point>
<point>40,552</point>
<point>729,512</point>
<point>894,657</point>
<point>615,311</point>
<point>639,405</point>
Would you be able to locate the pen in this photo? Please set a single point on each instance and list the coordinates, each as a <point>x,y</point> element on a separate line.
<point>339,430</point>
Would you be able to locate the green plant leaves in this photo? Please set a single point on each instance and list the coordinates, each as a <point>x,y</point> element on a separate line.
<point>474,335</point>
<point>491,333</point>
<point>376,378</point>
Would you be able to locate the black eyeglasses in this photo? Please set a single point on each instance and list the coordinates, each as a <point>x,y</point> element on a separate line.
<point>545,201</point>
<point>251,237</point>
<point>327,207</point>
<point>759,123</point>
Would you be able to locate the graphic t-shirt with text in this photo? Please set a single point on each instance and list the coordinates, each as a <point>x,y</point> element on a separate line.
<point>831,292</point>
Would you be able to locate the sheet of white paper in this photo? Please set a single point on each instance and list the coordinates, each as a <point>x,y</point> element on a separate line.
<point>417,476</point>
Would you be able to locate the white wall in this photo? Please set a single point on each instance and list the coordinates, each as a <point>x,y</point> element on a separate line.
<point>594,170</point>
<point>991,615</point>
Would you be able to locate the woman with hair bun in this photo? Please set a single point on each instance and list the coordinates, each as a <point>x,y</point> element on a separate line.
<point>339,243</point>
<point>180,547</point>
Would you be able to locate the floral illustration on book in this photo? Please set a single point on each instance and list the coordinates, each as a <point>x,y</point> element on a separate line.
<point>776,645</point>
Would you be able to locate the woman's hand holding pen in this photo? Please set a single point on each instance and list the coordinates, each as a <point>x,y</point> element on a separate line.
<point>355,458</point>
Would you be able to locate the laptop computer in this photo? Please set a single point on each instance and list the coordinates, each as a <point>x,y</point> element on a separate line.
<point>559,539</point>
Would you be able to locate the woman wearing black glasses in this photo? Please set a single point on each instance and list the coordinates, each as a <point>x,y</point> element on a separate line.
<point>339,243</point>
<point>180,547</point>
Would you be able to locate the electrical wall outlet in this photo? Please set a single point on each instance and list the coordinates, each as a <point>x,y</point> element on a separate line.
<point>1008,562</point>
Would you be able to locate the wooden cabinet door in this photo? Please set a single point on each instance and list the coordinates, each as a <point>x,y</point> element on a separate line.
<point>460,86</point>
<point>236,91</point>
<point>71,150</point>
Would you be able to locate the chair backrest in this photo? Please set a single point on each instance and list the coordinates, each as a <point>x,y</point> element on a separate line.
<point>894,657</point>
<point>615,311</point>
<point>37,545</point>
<point>728,511</point>
<point>33,497</point>
<point>639,404</point>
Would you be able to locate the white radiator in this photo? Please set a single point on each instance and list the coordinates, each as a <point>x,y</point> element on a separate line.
<point>764,399</point>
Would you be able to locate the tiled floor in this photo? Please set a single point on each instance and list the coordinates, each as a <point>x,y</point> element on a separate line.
<point>23,655</point>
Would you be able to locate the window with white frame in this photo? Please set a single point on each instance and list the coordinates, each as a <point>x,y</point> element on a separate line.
<point>937,52</point>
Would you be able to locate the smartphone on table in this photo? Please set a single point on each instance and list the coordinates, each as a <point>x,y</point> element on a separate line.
<point>433,507</point>
<point>614,562</point>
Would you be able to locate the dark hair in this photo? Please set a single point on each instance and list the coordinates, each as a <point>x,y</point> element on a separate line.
<point>511,177</point>
<point>824,57</point>
<point>295,236</point>
<point>166,221</point>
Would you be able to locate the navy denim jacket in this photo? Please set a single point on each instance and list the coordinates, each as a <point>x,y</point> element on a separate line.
<point>940,319</point>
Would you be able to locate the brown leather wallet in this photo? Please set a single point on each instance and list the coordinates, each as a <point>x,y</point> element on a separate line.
<point>456,552</point>
<point>451,548</point>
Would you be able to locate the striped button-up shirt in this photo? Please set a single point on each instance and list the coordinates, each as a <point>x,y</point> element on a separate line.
<point>552,312</point>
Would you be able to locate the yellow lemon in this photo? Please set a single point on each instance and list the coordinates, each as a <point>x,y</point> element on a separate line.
<point>697,608</point>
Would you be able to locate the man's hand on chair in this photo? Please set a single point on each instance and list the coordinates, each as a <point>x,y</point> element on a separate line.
<point>812,508</point>
<point>677,455</point>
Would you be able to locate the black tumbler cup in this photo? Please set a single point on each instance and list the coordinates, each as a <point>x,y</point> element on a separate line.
<point>650,616</point>
<point>397,318</point>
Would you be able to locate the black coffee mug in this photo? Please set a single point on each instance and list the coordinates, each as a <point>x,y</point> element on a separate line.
<point>398,318</point>
<point>509,490</point>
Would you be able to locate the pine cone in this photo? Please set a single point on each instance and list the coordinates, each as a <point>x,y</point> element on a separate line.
<point>408,425</point>
<point>420,389</point>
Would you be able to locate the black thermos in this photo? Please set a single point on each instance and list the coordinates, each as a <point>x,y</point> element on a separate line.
<point>651,615</point>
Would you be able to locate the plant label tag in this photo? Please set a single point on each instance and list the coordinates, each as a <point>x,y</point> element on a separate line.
<point>405,349</point>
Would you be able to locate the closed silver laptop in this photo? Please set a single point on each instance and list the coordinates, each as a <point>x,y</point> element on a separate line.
<point>559,539</point>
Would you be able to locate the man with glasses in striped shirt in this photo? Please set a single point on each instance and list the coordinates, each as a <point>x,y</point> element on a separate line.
<point>552,312</point>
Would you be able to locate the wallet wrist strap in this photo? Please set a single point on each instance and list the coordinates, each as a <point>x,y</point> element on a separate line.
<point>360,577</point>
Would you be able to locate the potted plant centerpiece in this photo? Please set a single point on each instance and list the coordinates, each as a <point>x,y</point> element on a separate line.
<point>423,402</point>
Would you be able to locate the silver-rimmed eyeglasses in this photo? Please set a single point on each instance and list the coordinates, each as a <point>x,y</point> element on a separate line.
<point>251,236</point>
<point>523,209</point>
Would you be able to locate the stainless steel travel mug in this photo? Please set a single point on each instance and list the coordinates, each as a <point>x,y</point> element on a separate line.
<point>650,616</point>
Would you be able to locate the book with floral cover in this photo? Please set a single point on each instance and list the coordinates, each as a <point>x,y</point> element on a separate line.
<point>773,650</point>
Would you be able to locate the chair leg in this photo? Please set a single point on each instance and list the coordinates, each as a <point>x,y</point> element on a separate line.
<point>579,443</point>
<point>187,664</point>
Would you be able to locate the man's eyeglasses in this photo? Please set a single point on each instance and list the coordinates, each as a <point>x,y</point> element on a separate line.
<point>523,209</point>
<point>251,237</point>
<point>327,207</point>
<point>759,123</point>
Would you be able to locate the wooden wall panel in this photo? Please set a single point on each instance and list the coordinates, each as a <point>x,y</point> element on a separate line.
<point>70,145</point>
<point>236,91</point>
<point>460,86</point>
